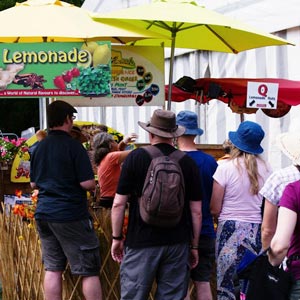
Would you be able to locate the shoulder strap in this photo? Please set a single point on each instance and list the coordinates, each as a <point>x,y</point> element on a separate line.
<point>177,155</point>
<point>153,151</point>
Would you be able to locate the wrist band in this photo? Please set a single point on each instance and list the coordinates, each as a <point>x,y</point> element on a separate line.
<point>118,238</point>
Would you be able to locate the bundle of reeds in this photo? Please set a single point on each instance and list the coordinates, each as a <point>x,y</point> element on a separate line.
<point>21,269</point>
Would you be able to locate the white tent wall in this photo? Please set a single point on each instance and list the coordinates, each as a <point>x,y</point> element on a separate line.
<point>216,118</point>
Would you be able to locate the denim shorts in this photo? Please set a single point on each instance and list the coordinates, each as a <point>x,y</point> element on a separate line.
<point>203,271</point>
<point>72,242</point>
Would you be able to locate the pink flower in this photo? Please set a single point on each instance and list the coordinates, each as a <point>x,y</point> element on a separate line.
<point>10,148</point>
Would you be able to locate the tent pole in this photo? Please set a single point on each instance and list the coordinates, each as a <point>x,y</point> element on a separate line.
<point>171,69</point>
<point>242,117</point>
<point>43,102</point>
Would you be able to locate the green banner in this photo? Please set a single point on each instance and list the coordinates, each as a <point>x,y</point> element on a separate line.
<point>55,69</point>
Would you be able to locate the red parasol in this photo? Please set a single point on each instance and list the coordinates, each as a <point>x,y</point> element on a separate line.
<point>235,89</point>
<point>234,92</point>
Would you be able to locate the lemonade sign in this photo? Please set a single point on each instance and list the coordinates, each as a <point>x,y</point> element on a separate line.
<point>55,69</point>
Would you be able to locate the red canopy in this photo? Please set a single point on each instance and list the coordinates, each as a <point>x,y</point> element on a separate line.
<point>235,89</point>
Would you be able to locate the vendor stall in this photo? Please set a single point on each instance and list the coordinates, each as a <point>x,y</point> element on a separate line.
<point>20,251</point>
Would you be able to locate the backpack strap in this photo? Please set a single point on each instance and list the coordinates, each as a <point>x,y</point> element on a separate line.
<point>155,152</point>
<point>177,155</point>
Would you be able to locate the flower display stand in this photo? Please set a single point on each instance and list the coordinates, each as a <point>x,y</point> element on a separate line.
<point>6,186</point>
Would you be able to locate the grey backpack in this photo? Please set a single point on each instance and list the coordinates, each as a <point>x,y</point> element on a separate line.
<point>162,201</point>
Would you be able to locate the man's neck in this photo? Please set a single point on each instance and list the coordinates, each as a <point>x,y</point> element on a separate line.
<point>186,143</point>
<point>64,127</point>
<point>157,140</point>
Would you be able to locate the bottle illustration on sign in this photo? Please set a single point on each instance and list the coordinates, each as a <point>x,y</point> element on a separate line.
<point>131,79</point>
<point>141,84</point>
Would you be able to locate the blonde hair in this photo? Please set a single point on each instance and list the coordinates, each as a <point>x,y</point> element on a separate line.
<point>250,161</point>
<point>227,146</point>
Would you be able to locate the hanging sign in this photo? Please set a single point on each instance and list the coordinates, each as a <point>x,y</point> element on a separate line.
<point>262,95</point>
<point>137,78</point>
<point>55,69</point>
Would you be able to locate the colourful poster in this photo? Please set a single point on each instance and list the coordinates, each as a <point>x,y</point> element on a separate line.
<point>55,69</point>
<point>137,78</point>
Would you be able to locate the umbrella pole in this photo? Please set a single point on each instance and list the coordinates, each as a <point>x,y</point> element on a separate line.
<point>171,70</point>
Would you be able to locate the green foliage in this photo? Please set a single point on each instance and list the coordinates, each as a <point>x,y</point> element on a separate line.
<point>4,4</point>
<point>76,2</point>
<point>94,81</point>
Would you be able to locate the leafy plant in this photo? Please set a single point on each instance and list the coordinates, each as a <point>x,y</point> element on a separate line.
<point>4,4</point>
<point>94,81</point>
<point>10,148</point>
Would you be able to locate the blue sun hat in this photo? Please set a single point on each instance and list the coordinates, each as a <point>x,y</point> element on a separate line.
<point>248,137</point>
<point>189,120</point>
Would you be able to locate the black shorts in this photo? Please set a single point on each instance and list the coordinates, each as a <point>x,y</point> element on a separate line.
<point>72,242</point>
<point>203,271</point>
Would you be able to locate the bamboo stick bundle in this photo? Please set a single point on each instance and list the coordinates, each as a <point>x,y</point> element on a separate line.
<point>6,254</point>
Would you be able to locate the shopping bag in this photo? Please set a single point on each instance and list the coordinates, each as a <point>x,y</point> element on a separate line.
<point>266,281</point>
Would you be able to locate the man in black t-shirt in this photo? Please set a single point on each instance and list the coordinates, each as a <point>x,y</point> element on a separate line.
<point>61,170</point>
<point>152,253</point>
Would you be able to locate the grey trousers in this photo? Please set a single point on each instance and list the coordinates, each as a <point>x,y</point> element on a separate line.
<point>167,265</point>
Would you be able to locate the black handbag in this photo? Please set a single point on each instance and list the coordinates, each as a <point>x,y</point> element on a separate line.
<point>266,282</point>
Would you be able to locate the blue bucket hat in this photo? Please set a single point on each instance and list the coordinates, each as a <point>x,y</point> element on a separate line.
<point>248,137</point>
<point>189,120</point>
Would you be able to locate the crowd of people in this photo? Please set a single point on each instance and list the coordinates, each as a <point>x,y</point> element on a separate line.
<point>225,208</point>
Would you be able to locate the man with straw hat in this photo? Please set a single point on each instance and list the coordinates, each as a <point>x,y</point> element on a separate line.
<point>153,253</point>
<point>289,144</point>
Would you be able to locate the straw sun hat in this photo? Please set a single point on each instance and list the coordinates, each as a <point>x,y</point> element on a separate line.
<point>289,144</point>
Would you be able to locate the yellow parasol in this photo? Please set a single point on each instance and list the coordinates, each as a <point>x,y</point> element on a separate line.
<point>57,21</point>
<point>191,26</point>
